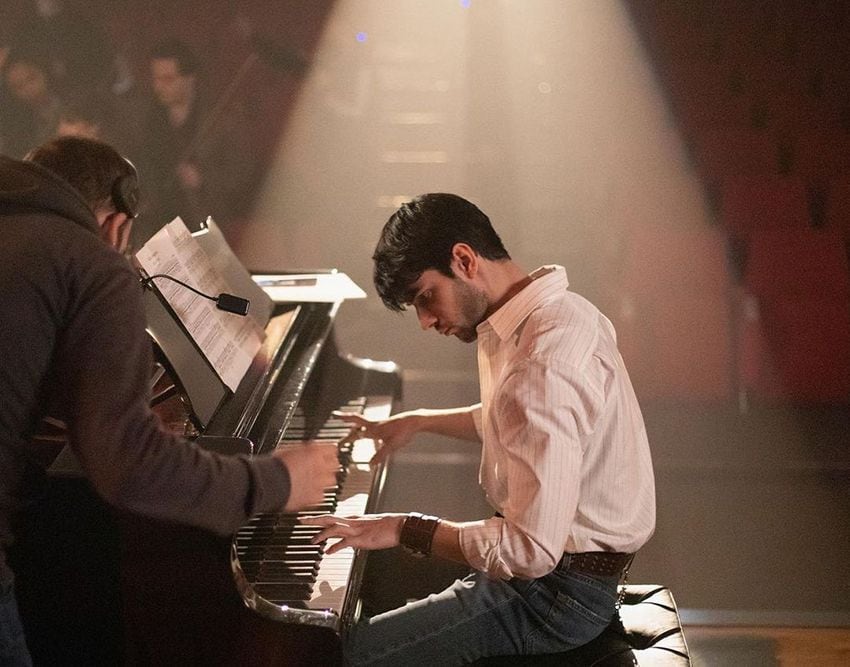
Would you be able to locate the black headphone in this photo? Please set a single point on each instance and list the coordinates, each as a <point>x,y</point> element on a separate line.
<point>125,192</point>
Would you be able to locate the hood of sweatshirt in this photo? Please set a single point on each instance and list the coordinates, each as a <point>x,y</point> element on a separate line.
<point>28,187</point>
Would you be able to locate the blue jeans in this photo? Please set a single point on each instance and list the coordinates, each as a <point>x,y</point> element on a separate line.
<point>13,645</point>
<point>477,617</point>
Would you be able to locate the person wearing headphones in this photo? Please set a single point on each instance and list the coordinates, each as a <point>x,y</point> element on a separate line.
<point>74,346</point>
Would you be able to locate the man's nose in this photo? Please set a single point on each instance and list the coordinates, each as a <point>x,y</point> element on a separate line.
<point>426,319</point>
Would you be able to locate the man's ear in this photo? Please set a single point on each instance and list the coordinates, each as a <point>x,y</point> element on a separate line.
<point>465,259</point>
<point>115,229</point>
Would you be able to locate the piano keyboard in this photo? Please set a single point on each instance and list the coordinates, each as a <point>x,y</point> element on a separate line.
<point>278,572</point>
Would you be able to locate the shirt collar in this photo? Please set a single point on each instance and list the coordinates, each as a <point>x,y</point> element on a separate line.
<point>546,281</point>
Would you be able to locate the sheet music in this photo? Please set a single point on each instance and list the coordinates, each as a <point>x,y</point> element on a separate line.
<point>309,287</point>
<point>228,341</point>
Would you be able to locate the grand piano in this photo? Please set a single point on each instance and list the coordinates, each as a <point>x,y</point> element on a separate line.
<point>98,586</point>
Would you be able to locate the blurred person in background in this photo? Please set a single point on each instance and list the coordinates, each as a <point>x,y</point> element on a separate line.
<point>32,114</point>
<point>195,156</point>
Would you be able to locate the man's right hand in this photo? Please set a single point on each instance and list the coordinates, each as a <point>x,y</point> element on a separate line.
<point>312,469</point>
<point>389,435</point>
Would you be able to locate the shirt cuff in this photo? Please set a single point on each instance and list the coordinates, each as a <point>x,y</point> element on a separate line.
<point>481,542</point>
<point>477,421</point>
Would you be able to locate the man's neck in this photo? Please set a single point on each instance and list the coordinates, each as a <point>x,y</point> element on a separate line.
<point>504,282</point>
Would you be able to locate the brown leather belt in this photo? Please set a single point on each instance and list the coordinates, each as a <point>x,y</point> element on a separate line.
<point>598,563</point>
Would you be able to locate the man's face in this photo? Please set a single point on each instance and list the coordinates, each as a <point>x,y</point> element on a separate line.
<point>26,82</point>
<point>169,85</point>
<point>452,306</point>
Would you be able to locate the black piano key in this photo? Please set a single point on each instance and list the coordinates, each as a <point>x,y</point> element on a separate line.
<point>273,591</point>
<point>278,572</point>
<point>285,523</point>
<point>299,434</point>
<point>251,568</point>
<point>273,576</point>
<point>295,526</point>
<point>278,551</point>
<point>272,537</point>
<point>296,553</point>
<point>281,575</point>
<point>274,540</point>
<point>293,552</point>
<point>297,559</point>
<point>280,529</point>
<point>254,571</point>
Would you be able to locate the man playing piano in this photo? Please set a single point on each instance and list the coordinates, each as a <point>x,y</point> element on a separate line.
<point>74,346</point>
<point>565,459</point>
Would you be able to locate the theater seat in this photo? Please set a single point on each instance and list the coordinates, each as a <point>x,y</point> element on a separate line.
<point>721,152</point>
<point>838,205</point>
<point>797,349</point>
<point>820,154</point>
<point>794,324</point>
<point>764,201</point>
<point>650,635</point>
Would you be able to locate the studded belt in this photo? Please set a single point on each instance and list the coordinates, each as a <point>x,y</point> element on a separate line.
<point>599,563</point>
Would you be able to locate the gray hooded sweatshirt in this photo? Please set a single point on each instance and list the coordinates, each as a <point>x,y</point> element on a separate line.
<point>73,345</point>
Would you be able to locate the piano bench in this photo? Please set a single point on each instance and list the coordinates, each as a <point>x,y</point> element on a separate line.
<point>650,635</point>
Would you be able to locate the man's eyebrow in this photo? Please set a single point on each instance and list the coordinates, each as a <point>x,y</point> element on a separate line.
<point>410,297</point>
<point>410,294</point>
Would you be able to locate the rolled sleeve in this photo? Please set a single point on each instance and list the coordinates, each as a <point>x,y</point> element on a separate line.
<point>494,547</point>
<point>476,420</point>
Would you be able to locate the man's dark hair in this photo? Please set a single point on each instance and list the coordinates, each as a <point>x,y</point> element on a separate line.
<point>91,167</point>
<point>85,108</point>
<point>421,235</point>
<point>174,49</point>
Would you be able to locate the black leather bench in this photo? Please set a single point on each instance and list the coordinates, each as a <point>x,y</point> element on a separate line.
<point>650,634</point>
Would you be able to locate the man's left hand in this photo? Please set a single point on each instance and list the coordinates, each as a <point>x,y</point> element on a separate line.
<point>372,531</point>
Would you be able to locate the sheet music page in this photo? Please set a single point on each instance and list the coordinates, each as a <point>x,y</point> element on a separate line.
<point>228,341</point>
<point>309,287</point>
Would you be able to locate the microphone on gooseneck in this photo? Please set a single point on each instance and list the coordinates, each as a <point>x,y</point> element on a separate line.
<point>227,302</point>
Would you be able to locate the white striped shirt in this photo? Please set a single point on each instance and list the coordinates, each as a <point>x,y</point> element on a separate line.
<point>565,458</point>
